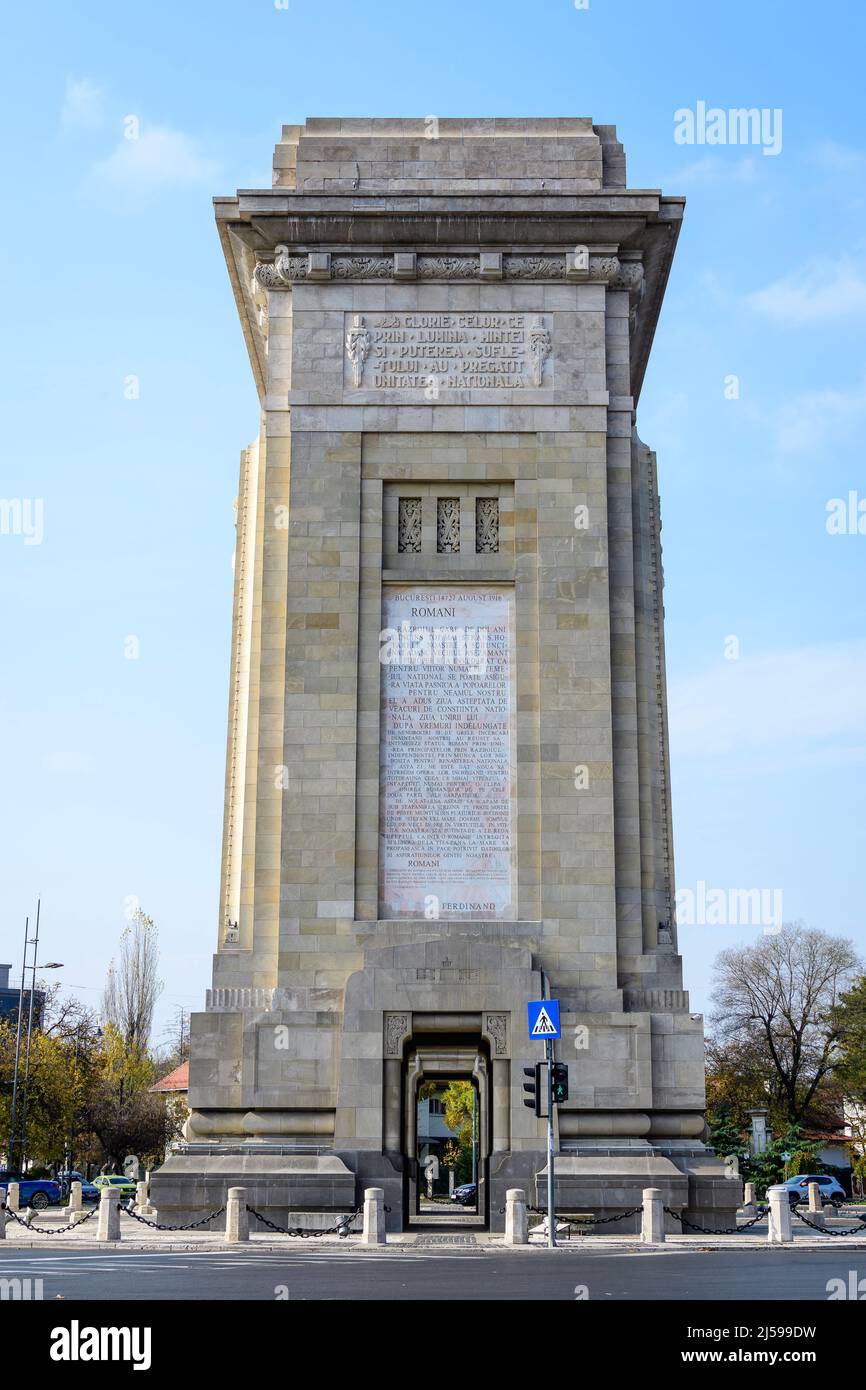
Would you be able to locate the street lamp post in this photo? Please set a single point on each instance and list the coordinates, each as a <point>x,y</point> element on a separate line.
<point>10,1157</point>
<point>26,1092</point>
<point>16,1141</point>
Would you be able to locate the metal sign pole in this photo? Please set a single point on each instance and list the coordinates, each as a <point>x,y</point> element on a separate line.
<point>551,1201</point>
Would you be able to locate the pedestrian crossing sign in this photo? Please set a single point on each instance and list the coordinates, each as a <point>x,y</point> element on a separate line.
<point>544,1018</point>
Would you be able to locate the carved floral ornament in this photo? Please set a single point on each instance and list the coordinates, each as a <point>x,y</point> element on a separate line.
<point>579,264</point>
<point>396,1029</point>
<point>496,1028</point>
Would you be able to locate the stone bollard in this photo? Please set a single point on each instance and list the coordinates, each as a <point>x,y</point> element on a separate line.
<point>142,1199</point>
<point>109,1215</point>
<point>516,1217</point>
<point>750,1206</point>
<point>779,1228</point>
<point>374,1216</point>
<point>652,1226</point>
<point>2,1213</point>
<point>816,1206</point>
<point>237,1216</point>
<point>12,1197</point>
<point>73,1207</point>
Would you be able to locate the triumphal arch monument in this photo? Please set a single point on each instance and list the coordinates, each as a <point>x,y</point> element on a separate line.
<point>447,787</point>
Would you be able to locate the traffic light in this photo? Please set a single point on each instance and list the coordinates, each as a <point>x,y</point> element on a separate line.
<point>559,1081</point>
<point>534,1088</point>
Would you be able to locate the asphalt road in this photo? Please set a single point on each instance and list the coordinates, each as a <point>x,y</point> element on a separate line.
<point>408,1274</point>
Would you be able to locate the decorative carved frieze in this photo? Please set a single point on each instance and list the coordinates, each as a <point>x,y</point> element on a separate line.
<point>603,268</point>
<point>448,525</point>
<point>286,268</point>
<point>496,1028</point>
<point>448,267</point>
<point>362,267</point>
<point>409,525</point>
<point>396,1029</point>
<point>357,347</point>
<point>486,525</point>
<point>540,343</point>
<point>230,998</point>
<point>629,277</point>
<point>280,273</point>
<point>534,267</point>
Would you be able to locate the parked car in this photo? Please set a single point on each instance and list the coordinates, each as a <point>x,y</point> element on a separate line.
<point>831,1189</point>
<point>124,1187</point>
<point>465,1194</point>
<point>89,1193</point>
<point>33,1192</point>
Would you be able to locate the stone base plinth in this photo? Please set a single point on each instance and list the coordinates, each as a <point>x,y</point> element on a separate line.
<point>608,1185</point>
<point>295,1189</point>
<point>611,1183</point>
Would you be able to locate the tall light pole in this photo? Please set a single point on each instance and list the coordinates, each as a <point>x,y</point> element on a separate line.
<point>10,1157</point>
<point>50,965</point>
<point>29,1034</point>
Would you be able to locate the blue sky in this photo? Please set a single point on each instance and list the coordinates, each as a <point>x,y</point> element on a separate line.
<point>111,269</point>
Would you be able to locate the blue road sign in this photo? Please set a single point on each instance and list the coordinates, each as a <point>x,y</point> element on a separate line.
<point>544,1018</point>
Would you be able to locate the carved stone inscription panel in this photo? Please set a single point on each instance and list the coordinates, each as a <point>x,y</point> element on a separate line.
<point>446,769</point>
<point>426,353</point>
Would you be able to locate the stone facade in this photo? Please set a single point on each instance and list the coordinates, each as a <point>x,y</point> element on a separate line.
<point>448,323</point>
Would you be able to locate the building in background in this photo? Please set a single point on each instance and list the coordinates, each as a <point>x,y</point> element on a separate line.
<point>9,997</point>
<point>173,1088</point>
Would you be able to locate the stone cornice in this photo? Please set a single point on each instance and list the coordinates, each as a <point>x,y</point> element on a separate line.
<point>489,236</point>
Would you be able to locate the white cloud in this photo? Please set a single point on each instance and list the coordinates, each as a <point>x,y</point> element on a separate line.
<point>66,761</point>
<point>157,158</point>
<point>824,288</point>
<point>836,158</point>
<point>757,703</point>
<point>714,170</point>
<point>810,422</point>
<point>83,105</point>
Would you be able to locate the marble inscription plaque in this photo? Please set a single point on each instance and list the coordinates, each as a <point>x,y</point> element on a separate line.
<point>446,769</point>
<point>430,352</point>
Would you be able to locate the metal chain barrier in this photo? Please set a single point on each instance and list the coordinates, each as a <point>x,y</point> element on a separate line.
<point>716,1230</point>
<point>47,1230</point>
<point>160,1226</point>
<point>582,1225</point>
<point>861,1226</point>
<point>341,1228</point>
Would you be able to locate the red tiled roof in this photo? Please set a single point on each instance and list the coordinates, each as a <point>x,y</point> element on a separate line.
<point>177,1080</point>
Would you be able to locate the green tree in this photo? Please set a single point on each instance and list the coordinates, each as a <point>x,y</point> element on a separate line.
<point>776,1003</point>
<point>850,1021</point>
<point>121,1111</point>
<point>457,1099</point>
<point>772,1166</point>
<point>62,1064</point>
